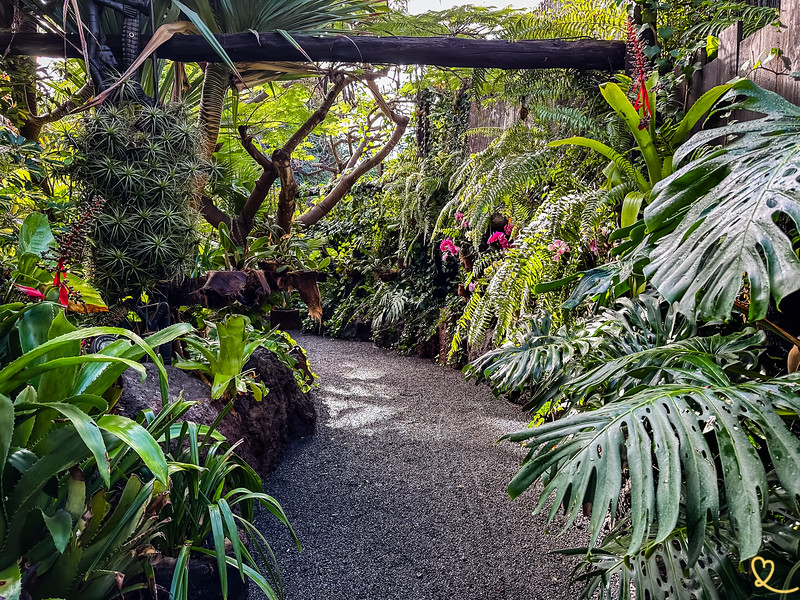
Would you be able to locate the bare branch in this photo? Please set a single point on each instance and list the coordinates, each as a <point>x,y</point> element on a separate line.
<point>212,213</point>
<point>341,81</point>
<point>318,211</point>
<point>32,128</point>
<point>250,148</point>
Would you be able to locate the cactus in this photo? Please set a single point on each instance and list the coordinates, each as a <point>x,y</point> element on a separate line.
<point>143,161</point>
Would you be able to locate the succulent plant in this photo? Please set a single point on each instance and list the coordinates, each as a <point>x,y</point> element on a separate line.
<point>143,161</point>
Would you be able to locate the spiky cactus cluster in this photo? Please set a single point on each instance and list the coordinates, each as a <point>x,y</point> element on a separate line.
<point>143,161</point>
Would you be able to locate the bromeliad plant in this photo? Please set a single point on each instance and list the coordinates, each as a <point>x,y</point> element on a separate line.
<point>212,496</point>
<point>61,454</point>
<point>223,355</point>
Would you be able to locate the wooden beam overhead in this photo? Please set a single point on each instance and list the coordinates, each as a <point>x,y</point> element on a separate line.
<point>435,51</point>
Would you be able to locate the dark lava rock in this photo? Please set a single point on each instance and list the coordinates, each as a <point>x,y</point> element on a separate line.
<point>203,580</point>
<point>285,413</point>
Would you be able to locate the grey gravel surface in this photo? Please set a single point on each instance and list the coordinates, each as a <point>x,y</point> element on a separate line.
<point>400,493</point>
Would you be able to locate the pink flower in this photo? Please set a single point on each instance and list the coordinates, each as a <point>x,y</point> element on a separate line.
<point>459,216</point>
<point>593,247</point>
<point>508,228</point>
<point>447,246</point>
<point>471,287</point>
<point>500,238</point>
<point>559,247</point>
<point>30,292</point>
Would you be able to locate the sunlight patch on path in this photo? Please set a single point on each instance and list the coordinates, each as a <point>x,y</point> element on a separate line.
<point>352,414</point>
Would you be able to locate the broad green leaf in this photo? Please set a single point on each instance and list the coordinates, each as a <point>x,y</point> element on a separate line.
<point>34,324</point>
<point>32,356</point>
<point>89,295</point>
<point>86,428</point>
<point>631,206</point>
<point>220,384</point>
<point>584,455</point>
<point>620,161</point>
<point>139,440</point>
<point>617,100</point>
<point>55,384</point>
<point>35,235</point>
<point>6,429</point>
<point>660,570</point>
<point>96,378</point>
<point>58,363</point>
<point>10,583</point>
<point>717,215</point>
<point>76,495</point>
<point>700,107</point>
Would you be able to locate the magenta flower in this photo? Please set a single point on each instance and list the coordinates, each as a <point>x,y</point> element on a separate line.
<point>594,248</point>
<point>508,228</point>
<point>500,238</point>
<point>448,247</point>
<point>459,216</point>
<point>560,247</point>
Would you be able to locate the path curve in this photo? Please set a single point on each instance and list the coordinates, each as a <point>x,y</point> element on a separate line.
<point>400,494</point>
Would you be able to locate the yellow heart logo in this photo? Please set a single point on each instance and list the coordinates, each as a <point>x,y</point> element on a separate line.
<point>764,564</point>
<point>760,565</point>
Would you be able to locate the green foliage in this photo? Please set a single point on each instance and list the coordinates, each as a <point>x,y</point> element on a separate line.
<point>223,354</point>
<point>212,496</point>
<point>727,212</point>
<point>61,453</point>
<point>143,161</point>
<point>223,358</point>
<point>665,434</point>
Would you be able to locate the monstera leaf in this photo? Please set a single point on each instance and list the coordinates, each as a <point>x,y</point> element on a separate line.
<point>659,571</point>
<point>676,441</point>
<point>725,215</point>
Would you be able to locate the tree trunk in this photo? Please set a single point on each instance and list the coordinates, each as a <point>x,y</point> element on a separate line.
<point>216,80</point>
<point>287,198</point>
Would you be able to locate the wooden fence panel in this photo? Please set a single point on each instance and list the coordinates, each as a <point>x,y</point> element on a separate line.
<point>769,58</point>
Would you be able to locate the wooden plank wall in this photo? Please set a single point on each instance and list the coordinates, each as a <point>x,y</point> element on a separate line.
<point>498,114</point>
<point>737,56</point>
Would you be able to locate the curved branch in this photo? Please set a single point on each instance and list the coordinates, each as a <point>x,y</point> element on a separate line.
<point>318,211</point>
<point>340,82</point>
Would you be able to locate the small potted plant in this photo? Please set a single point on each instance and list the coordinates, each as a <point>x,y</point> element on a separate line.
<point>284,315</point>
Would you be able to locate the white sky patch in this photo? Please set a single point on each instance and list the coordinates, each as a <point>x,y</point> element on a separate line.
<point>421,6</point>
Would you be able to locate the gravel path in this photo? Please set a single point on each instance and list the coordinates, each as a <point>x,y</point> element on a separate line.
<point>400,494</point>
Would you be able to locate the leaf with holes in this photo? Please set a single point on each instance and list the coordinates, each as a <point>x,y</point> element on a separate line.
<point>673,437</point>
<point>725,214</point>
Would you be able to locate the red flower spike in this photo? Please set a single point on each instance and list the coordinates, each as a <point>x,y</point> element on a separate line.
<point>641,69</point>
<point>30,292</point>
<point>63,295</point>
